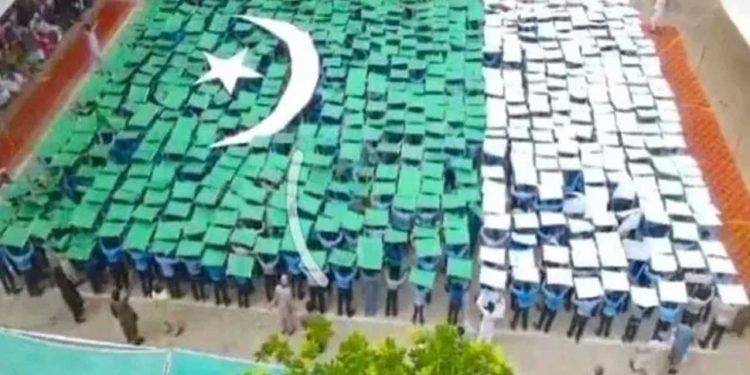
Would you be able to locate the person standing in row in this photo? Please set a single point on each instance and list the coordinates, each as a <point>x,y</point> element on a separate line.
<point>370,280</point>
<point>420,299</point>
<point>284,301</point>
<point>317,291</point>
<point>584,310</point>
<point>344,284</point>
<point>69,294</point>
<point>124,313</point>
<point>6,275</point>
<point>456,290</point>
<point>395,276</point>
<point>270,275</point>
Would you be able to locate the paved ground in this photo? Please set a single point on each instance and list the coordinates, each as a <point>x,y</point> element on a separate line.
<point>238,332</point>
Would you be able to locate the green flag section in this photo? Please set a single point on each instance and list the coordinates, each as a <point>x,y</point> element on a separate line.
<point>400,96</point>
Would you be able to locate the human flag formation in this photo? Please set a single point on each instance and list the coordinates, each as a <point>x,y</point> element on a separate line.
<point>183,149</point>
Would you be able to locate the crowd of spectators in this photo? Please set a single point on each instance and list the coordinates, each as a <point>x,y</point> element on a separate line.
<point>30,30</point>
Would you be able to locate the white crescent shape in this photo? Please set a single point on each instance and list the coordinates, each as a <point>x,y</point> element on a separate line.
<point>305,67</point>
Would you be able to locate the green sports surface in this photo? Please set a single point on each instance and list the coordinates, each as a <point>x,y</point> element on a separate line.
<point>401,92</point>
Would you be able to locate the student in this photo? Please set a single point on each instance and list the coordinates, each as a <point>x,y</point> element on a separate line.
<point>420,299</point>
<point>196,278</point>
<point>161,300</point>
<point>344,283</point>
<point>69,294</point>
<point>698,302</point>
<point>124,313</point>
<point>370,286</point>
<point>634,322</point>
<point>144,268</point>
<point>525,295</point>
<point>317,290</point>
<point>395,276</point>
<point>554,296</point>
<point>724,315</point>
<point>613,302</point>
<point>456,290</point>
<point>491,313</point>
<point>584,310</point>
<point>270,275</point>
<point>294,270</point>
<point>166,266</point>
<point>6,275</point>
<point>24,263</point>
<point>218,276</point>
<point>669,314</point>
<point>683,339</point>
<point>244,289</point>
<point>115,256</point>
<point>284,301</point>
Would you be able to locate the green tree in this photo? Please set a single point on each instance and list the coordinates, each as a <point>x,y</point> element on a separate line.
<point>431,352</point>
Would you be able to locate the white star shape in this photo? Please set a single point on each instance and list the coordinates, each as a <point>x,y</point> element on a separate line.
<point>228,71</point>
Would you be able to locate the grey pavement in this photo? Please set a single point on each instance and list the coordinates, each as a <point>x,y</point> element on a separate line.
<point>240,332</point>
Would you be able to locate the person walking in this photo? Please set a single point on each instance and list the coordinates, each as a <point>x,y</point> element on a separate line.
<point>394,278</point>
<point>161,299</point>
<point>491,313</point>
<point>284,301</point>
<point>69,294</point>
<point>124,313</point>
<point>684,335</point>
<point>724,315</point>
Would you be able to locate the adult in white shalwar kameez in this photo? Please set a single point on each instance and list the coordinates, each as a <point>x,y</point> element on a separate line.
<point>491,312</point>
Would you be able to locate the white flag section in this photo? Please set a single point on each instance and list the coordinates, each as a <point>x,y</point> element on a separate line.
<point>305,71</point>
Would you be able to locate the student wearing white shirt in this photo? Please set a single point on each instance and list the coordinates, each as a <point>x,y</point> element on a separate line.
<point>724,315</point>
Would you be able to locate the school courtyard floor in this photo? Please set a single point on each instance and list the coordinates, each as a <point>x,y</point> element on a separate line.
<point>239,333</point>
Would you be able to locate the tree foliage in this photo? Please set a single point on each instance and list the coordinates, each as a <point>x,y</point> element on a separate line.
<point>431,352</point>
